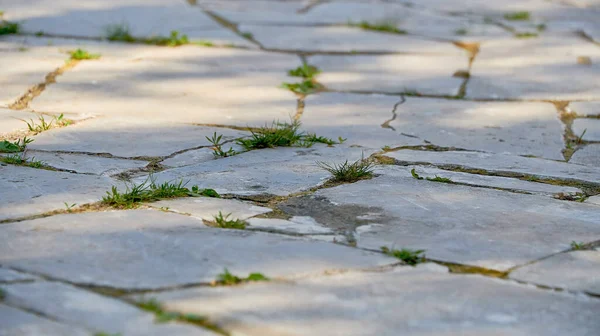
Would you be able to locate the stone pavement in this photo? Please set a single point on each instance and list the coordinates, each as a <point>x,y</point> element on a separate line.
<point>480,121</point>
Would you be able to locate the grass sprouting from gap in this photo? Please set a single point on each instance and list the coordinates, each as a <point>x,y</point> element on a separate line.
<point>282,135</point>
<point>517,16</point>
<point>461,31</point>
<point>577,246</point>
<point>305,87</point>
<point>173,40</point>
<point>42,125</point>
<point>120,32</point>
<point>17,159</point>
<point>162,316</point>
<point>228,279</point>
<point>305,71</point>
<point>526,35</point>
<point>411,257</point>
<point>7,28</point>
<point>382,26</point>
<point>225,223</point>
<point>218,146</point>
<point>349,172</point>
<point>81,54</point>
<point>14,147</point>
<point>414,174</point>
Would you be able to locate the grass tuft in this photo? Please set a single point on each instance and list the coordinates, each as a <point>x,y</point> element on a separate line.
<point>349,172</point>
<point>411,257</point>
<point>14,147</point>
<point>517,16</point>
<point>119,32</point>
<point>17,159</point>
<point>526,35</point>
<point>305,87</point>
<point>7,28</point>
<point>218,146</point>
<point>228,279</point>
<point>42,125</point>
<point>461,31</point>
<point>162,316</point>
<point>382,26</point>
<point>305,71</point>
<point>81,54</point>
<point>414,174</point>
<point>282,135</point>
<point>173,40</point>
<point>225,223</point>
<point>577,246</point>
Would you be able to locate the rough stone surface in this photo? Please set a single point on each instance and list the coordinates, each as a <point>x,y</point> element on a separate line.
<point>296,224</point>
<point>586,109</point>
<point>376,304</point>
<point>425,74</point>
<point>16,322</point>
<point>29,191</point>
<point>206,208</point>
<point>591,127</point>
<point>75,306</point>
<point>152,249</point>
<point>588,155</point>
<point>576,271</point>
<point>87,164</point>
<point>8,275</point>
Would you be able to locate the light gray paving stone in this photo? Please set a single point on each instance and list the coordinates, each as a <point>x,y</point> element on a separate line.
<point>588,155</point>
<point>503,163</point>
<point>541,69</point>
<point>11,122</point>
<point>591,127</point>
<point>576,271</point>
<point>153,249</point>
<point>593,200</point>
<point>475,226</point>
<point>425,74</point>
<point>360,119</point>
<point>425,300</point>
<point>221,86</point>
<point>483,7</point>
<point>16,322</point>
<point>30,191</point>
<point>345,39</point>
<point>492,181</point>
<point>88,164</point>
<point>500,127</point>
<point>8,275</point>
<point>277,171</point>
<point>586,109</point>
<point>198,155</point>
<point>296,224</point>
<point>206,207</point>
<point>128,137</point>
<point>75,306</point>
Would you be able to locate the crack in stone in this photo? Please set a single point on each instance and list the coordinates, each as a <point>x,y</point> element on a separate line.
<point>232,26</point>
<point>386,124</point>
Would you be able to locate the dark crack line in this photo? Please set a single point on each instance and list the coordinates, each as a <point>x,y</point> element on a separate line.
<point>386,124</point>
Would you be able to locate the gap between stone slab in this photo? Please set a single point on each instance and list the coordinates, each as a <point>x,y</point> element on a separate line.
<point>231,26</point>
<point>386,124</point>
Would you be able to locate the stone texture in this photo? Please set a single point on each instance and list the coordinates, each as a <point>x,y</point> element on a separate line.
<point>585,109</point>
<point>86,164</point>
<point>542,69</point>
<point>277,171</point>
<point>128,137</point>
<point>184,84</point>
<point>29,191</point>
<point>296,224</point>
<point>588,155</point>
<point>152,249</point>
<point>593,200</point>
<point>483,227</point>
<point>16,322</point>
<point>206,208</point>
<point>501,163</point>
<point>425,74</point>
<point>591,127</point>
<point>8,275</point>
<point>576,271</point>
<point>75,306</point>
<point>390,303</point>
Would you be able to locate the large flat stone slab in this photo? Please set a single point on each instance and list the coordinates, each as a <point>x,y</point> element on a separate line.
<point>16,322</point>
<point>207,208</point>
<point>29,191</point>
<point>185,84</point>
<point>152,249</point>
<point>129,137</point>
<point>75,306</point>
<point>500,163</point>
<point>425,74</point>
<point>276,171</point>
<point>475,226</point>
<point>405,301</point>
<point>576,271</point>
<point>539,68</point>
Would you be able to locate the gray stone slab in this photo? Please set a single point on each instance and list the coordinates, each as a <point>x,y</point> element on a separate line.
<point>198,156</point>
<point>87,164</point>
<point>296,224</point>
<point>576,271</point>
<point>503,163</point>
<point>588,155</point>
<point>406,301</point>
<point>206,208</point>
<point>344,39</point>
<point>29,191</point>
<point>586,109</point>
<point>475,226</point>
<point>75,306</point>
<point>186,84</point>
<point>16,322</point>
<point>500,127</point>
<point>153,249</point>
<point>128,137</point>
<point>537,68</point>
<point>277,171</point>
<point>8,275</point>
<point>591,127</point>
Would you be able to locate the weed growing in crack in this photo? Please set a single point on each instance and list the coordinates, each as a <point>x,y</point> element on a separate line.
<point>14,147</point>
<point>461,31</point>
<point>282,135</point>
<point>228,279</point>
<point>349,172</point>
<point>517,16</point>
<point>17,159</point>
<point>305,71</point>
<point>203,43</point>
<point>526,35</point>
<point>69,206</point>
<point>42,125</point>
<point>81,54</point>
<point>217,146</point>
<point>414,174</point>
<point>541,27</point>
<point>225,223</point>
<point>382,26</point>
<point>173,40</point>
<point>248,35</point>
<point>7,28</point>
<point>305,87</point>
<point>577,246</point>
<point>162,316</point>
<point>579,139</point>
<point>119,32</point>
<point>411,257</point>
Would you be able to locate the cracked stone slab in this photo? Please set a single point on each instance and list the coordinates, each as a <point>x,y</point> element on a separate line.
<point>344,39</point>
<point>296,224</point>
<point>29,191</point>
<point>500,127</point>
<point>353,304</point>
<point>492,181</point>
<point>585,109</point>
<point>86,164</point>
<point>591,127</point>
<point>276,171</point>
<point>539,68</point>
<point>8,275</point>
<point>128,137</point>
<point>198,156</point>
<point>588,155</point>
<point>360,119</point>
<point>11,122</point>
<point>220,86</point>
<point>501,163</point>
<point>206,207</point>
<point>425,74</point>
<point>91,18</point>
<point>148,249</point>
<point>16,322</point>
<point>575,271</point>
<point>74,306</point>
<point>474,226</point>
